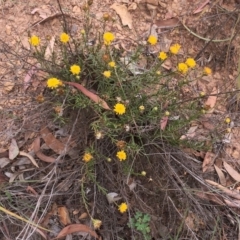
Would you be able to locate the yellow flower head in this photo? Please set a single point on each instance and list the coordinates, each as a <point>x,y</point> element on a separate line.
<point>82,32</point>
<point>75,69</point>
<point>167,113</point>
<point>158,72</point>
<point>34,41</point>
<point>174,49</point>
<point>107,74</point>
<point>122,207</point>
<point>190,62</point>
<point>119,108</point>
<point>141,108</point>
<point>121,155</point>
<point>162,56</point>
<point>112,64</point>
<point>207,71</point>
<point>87,157</point>
<point>54,83</point>
<point>108,37</point>
<point>64,38</point>
<point>227,120</point>
<point>152,40</point>
<point>182,68</point>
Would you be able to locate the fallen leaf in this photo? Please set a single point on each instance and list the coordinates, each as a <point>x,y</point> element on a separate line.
<point>51,141</point>
<point>163,122</point>
<point>64,215</point>
<point>21,153</point>
<point>13,149</point>
<point>52,212</point>
<point>8,86</point>
<point>208,161</point>
<point>89,94</point>
<point>210,197</point>
<point>232,172</point>
<point>167,64</point>
<point>200,8</point>
<point>131,183</point>
<point>112,197</point>
<point>76,228</point>
<point>49,49</point>
<point>30,189</point>
<point>43,13</point>
<point>133,6</point>
<point>4,162</point>
<point>39,154</point>
<point>231,193</point>
<point>169,23</point>
<point>190,133</point>
<point>125,16</point>
<point>83,216</point>
<point>221,176</point>
<point>28,77</point>
<point>211,101</point>
<point>232,203</point>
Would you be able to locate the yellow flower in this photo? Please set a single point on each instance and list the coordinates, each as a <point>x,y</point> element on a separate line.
<point>108,37</point>
<point>112,64</point>
<point>54,83</point>
<point>83,32</point>
<point>227,120</point>
<point>202,94</point>
<point>141,108</point>
<point>152,40</point>
<point>75,69</point>
<point>107,74</point>
<point>121,155</point>
<point>143,173</point>
<point>207,71</point>
<point>34,41</point>
<point>174,49</point>
<point>183,68</point>
<point>162,56</point>
<point>158,72</point>
<point>122,207</point>
<point>64,38</point>
<point>190,62</point>
<point>119,108</point>
<point>167,113</point>
<point>87,157</point>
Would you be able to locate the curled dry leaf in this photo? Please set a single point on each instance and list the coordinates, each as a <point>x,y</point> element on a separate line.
<point>30,158</point>
<point>51,141</point>
<point>221,176</point>
<point>64,215</point>
<point>89,94</point>
<point>211,101</point>
<point>112,197</point>
<point>13,149</point>
<point>168,23</point>
<point>232,172</point>
<point>232,193</point>
<point>76,228</point>
<point>208,161</point>
<point>30,189</point>
<point>39,154</point>
<point>190,133</point>
<point>125,16</point>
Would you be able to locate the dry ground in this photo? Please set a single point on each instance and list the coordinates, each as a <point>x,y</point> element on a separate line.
<point>182,205</point>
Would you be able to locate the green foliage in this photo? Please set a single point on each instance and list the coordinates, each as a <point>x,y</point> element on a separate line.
<point>140,222</point>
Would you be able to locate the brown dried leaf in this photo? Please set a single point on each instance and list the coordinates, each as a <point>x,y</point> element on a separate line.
<point>51,141</point>
<point>163,122</point>
<point>169,23</point>
<point>49,49</point>
<point>221,176</point>
<point>30,189</point>
<point>125,16</point>
<point>28,77</point>
<point>89,94</point>
<point>208,161</point>
<point>200,8</point>
<point>76,228</point>
<point>190,133</point>
<point>211,101</point>
<point>64,215</point>
<point>13,149</point>
<point>231,193</point>
<point>30,158</point>
<point>39,154</point>
<point>232,172</point>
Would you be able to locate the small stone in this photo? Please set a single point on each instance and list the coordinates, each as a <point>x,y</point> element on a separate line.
<point>8,86</point>
<point>76,9</point>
